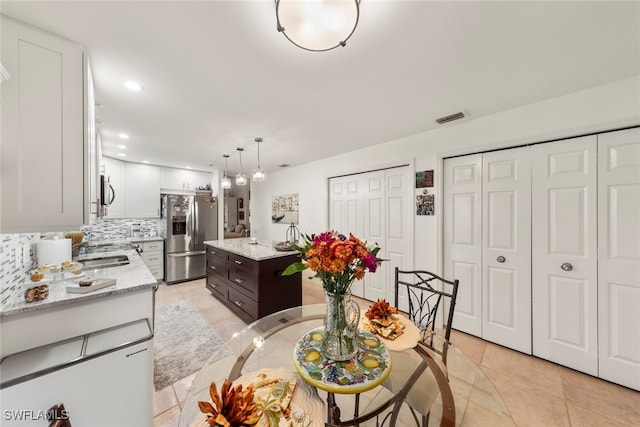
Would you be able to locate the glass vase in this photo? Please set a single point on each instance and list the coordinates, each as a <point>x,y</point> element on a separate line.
<point>340,340</point>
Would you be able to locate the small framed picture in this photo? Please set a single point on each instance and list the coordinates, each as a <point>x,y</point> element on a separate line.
<point>424,179</point>
<point>425,204</point>
<point>241,215</point>
<point>240,203</point>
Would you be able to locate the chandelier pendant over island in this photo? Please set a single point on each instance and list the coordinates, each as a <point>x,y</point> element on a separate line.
<point>258,173</point>
<point>241,178</point>
<point>225,182</point>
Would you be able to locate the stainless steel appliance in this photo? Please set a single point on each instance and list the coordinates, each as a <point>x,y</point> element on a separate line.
<point>188,220</point>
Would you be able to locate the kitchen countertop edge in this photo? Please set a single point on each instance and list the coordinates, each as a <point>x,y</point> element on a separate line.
<point>130,278</point>
<point>241,246</point>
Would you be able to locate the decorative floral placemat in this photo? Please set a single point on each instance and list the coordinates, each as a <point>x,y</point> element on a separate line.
<point>368,369</point>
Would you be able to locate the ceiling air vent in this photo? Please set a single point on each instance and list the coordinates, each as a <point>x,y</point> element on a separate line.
<point>450,118</point>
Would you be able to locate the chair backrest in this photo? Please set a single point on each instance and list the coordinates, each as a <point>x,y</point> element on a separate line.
<point>426,292</point>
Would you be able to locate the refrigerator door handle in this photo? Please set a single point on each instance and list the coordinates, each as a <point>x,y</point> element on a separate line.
<point>186,254</point>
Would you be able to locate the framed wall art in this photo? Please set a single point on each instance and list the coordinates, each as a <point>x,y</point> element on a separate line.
<point>284,209</point>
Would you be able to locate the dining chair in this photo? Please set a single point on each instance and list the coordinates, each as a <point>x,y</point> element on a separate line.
<point>431,302</point>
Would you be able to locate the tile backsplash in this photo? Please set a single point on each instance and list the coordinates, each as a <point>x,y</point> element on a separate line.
<point>13,268</point>
<point>15,263</point>
<point>120,229</point>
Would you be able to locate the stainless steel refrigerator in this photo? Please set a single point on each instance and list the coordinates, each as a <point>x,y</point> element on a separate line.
<point>188,220</point>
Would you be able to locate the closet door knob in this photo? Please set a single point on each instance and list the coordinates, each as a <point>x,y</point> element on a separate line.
<point>501,259</point>
<point>566,266</point>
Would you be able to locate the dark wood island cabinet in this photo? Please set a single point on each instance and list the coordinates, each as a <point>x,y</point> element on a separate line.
<point>247,277</point>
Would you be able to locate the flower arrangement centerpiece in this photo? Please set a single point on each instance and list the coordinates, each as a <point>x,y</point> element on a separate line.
<point>338,261</point>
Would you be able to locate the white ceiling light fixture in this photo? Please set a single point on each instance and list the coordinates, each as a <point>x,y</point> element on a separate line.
<point>241,178</point>
<point>317,25</point>
<point>225,182</point>
<point>122,155</point>
<point>123,136</point>
<point>258,173</point>
<point>124,147</point>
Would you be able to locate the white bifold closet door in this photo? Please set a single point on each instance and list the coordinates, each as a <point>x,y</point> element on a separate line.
<point>506,255</point>
<point>376,207</point>
<point>619,256</point>
<point>487,244</point>
<point>462,236</point>
<point>564,245</point>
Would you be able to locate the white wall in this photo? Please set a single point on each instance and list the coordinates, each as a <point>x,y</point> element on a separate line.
<point>602,108</point>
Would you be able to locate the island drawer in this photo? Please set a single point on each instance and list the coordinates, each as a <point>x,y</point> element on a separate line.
<point>216,265</point>
<point>242,263</point>
<point>217,285</point>
<point>244,279</point>
<point>216,253</point>
<point>243,303</point>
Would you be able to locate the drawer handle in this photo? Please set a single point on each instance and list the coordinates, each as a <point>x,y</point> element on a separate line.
<point>238,303</point>
<point>238,262</point>
<point>214,286</point>
<point>212,252</point>
<point>238,280</point>
<point>213,267</point>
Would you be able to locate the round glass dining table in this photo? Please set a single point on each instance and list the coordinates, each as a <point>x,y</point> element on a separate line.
<point>270,342</point>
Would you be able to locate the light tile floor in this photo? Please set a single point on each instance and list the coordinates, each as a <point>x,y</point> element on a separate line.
<point>536,392</point>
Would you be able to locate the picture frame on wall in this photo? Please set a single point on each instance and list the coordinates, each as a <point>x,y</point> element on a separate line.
<point>240,203</point>
<point>425,204</point>
<point>285,209</point>
<point>241,215</point>
<point>424,179</point>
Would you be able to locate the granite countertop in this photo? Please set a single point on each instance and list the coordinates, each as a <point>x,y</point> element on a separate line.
<point>130,277</point>
<point>242,246</point>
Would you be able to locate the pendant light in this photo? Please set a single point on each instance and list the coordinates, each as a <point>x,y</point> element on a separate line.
<point>241,179</point>
<point>258,173</point>
<point>225,182</point>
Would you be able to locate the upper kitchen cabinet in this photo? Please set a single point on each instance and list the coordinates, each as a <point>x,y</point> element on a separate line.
<point>183,179</point>
<point>142,191</point>
<point>43,133</point>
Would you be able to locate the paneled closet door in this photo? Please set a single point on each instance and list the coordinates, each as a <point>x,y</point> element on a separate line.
<point>506,230</point>
<point>374,204</point>
<point>565,253</point>
<point>345,211</point>
<point>619,256</point>
<point>463,238</point>
<point>398,247</point>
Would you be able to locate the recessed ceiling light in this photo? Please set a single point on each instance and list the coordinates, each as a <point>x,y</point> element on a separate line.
<point>124,147</point>
<point>131,85</point>
<point>145,161</point>
<point>122,155</point>
<point>188,167</point>
<point>123,135</point>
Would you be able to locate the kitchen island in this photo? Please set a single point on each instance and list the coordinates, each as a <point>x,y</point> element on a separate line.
<point>248,279</point>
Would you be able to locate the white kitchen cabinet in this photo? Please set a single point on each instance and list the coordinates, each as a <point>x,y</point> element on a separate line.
<point>92,171</point>
<point>183,179</point>
<point>114,171</point>
<point>142,191</point>
<point>43,137</point>
<point>153,257</point>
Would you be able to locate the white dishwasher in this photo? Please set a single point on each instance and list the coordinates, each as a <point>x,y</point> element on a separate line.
<point>104,378</point>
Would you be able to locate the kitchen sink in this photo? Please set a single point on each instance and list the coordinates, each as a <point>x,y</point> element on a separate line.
<point>105,262</point>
